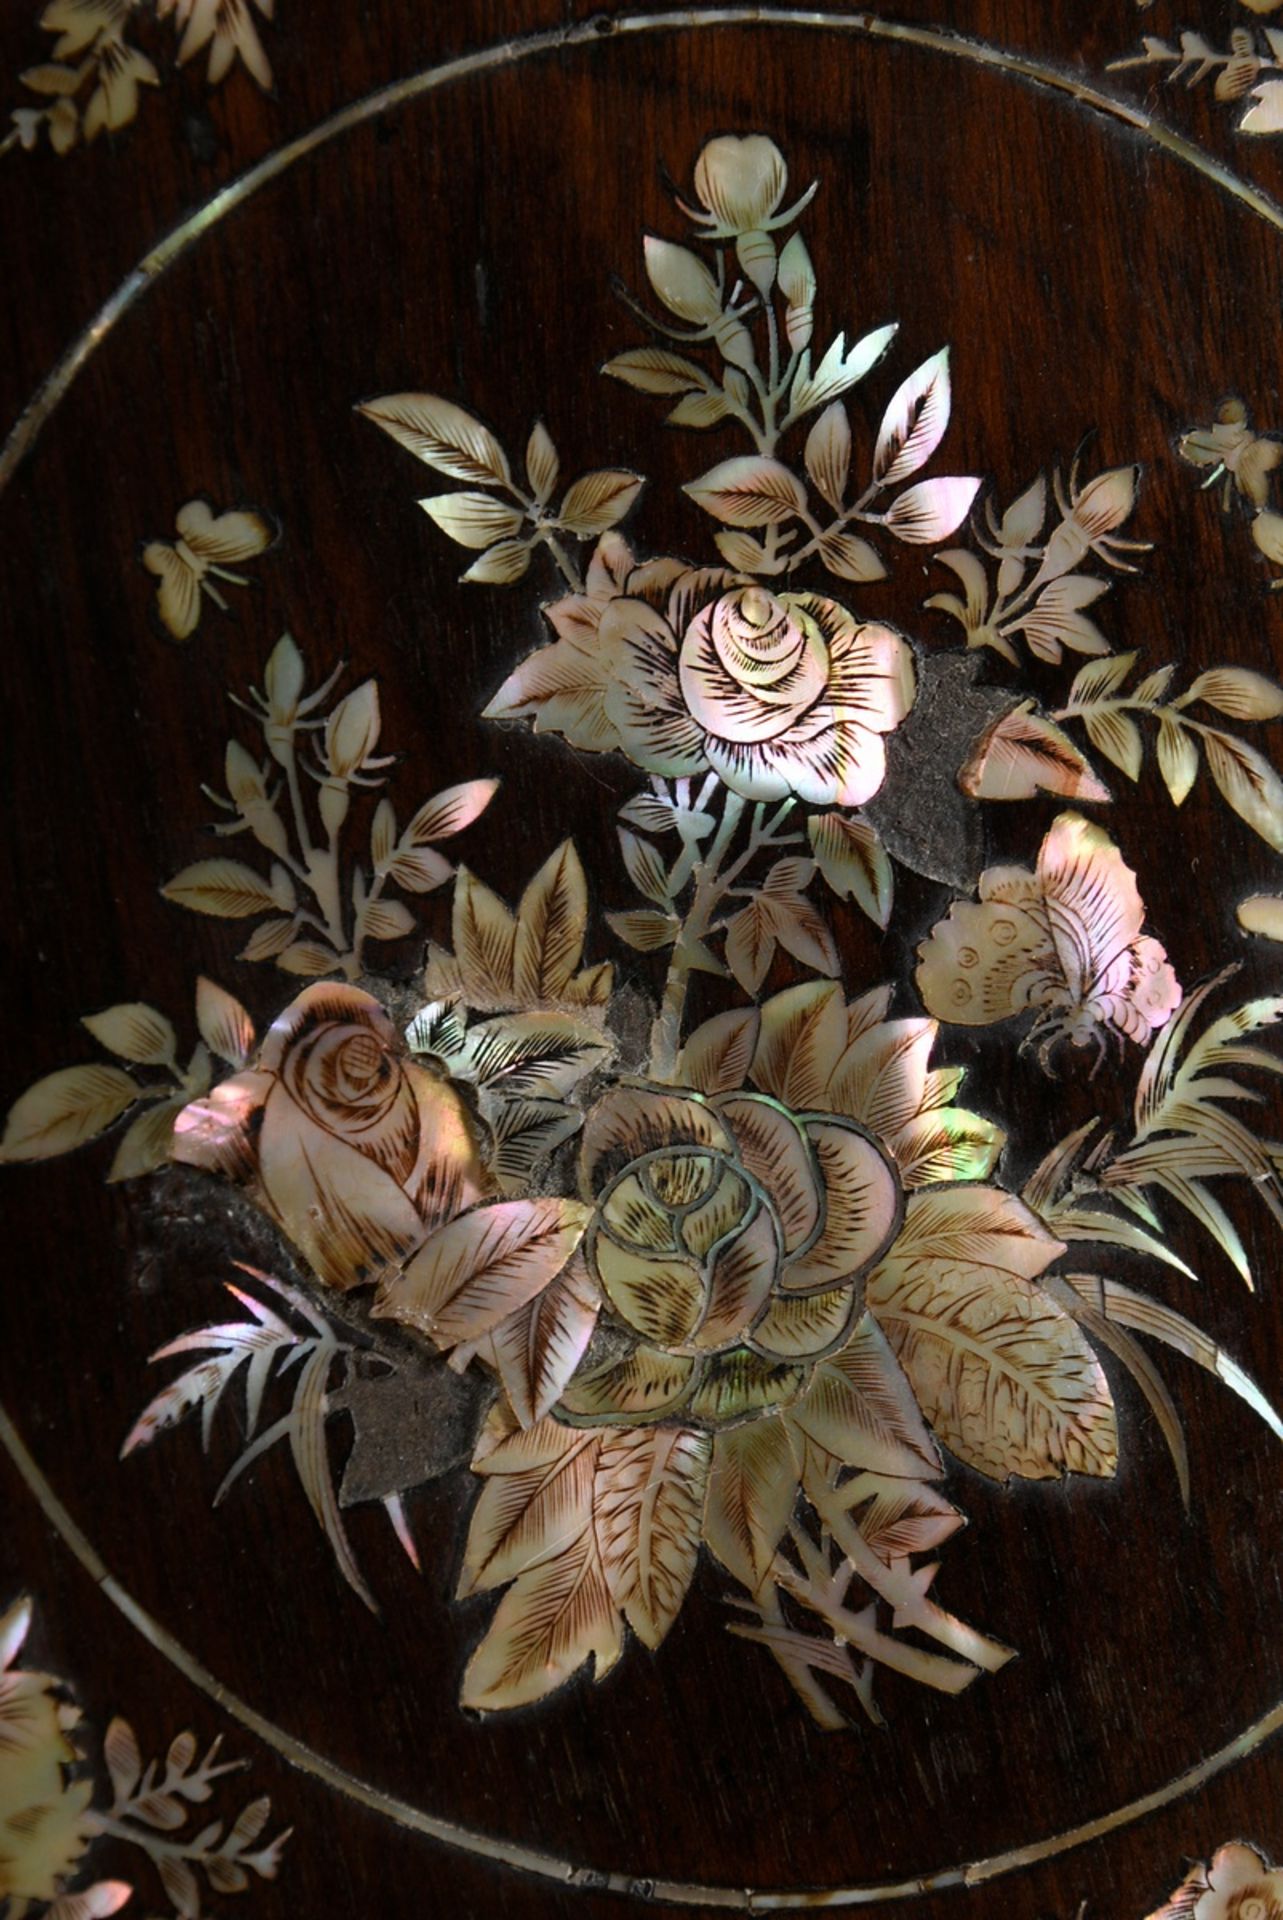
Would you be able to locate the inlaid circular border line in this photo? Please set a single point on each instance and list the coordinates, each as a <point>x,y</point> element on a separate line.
<point>545,1866</point>
<point>603,30</point>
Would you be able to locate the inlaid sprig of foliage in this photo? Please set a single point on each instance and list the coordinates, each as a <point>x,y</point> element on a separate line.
<point>66,1109</point>
<point>1252,52</point>
<point>321,911</point>
<point>1183,1134</point>
<point>1100,699</point>
<point>704,876</point>
<point>1038,594</point>
<point>507,521</point>
<point>90,83</point>
<point>1072,1193</point>
<point>1242,462</point>
<point>844,1588</point>
<point>270,1348</point>
<point>754,312</point>
<point>151,1805</point>
<point>50,1826</point>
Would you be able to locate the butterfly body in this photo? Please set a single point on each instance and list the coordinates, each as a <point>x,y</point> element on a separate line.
<point>1064,941</point>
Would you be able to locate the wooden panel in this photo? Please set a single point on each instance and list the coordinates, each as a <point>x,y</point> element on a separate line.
<point>1052,859</point>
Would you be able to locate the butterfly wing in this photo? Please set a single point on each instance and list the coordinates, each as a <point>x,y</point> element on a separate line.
<point>223,538</point>
<point>1094,910</point>
<point>1095,914</point>
<point>1145,998</point>
<point>178,595</point>
<point>991,958</point>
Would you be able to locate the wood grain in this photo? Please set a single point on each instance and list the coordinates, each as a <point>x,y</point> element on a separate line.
<point>1088,282</point>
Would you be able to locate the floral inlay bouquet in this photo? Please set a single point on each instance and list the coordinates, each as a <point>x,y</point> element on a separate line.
<point>740,1285</point>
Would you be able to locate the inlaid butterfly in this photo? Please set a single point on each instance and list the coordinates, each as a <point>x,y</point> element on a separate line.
<point>206,543</point>
<point>1064,940</point>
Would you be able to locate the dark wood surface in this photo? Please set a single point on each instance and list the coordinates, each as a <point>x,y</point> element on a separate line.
<point>1089,282</point>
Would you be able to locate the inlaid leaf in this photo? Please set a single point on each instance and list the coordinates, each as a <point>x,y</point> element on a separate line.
<point>134,1032</point>
<point>850,558</point>
<point>1003,1374</point>
<point>1026,754</point>
<point>931,510</point>
<point>749,491</point>
<point>225,1027</point>
<point>97,1902</point>
<point>750,944</point>
<point>655,370</point>
<point>124,1760</point>
<point>744,553</point>
<point>803,931</point>
<point>860,1408</point>
<point>501,565</point>
<point>945,1145</point>
<point>646,868</point>
<point>840,368</point>
<point>850,854</point>
<point>387,920</point>
<point>717,1056</point>
<point>52,79</point>
<point>542,464</point>
<point>1262,913</point>
<point>900,1517</point>
<point>699,410</point>
<point>648,1505</point>
<point>145,1145</point>
<point>550,928</point>
<point>978,1226</point>
<point>181,1885</point>
<point>1249,783</point>
<point>442,435</point>
<point>470,1274</point>
<point>555,1617</point>
<point>1099,679</point>
<point>449,812</point>
<point>538,1494</point>
<point>473,519</point>
<point>1117,736</point>
<point>524,1133</point>
<point>644,929</point>
<point>418,870</point>
<point>914,424</point>
<point>309,959</point>
<point>536,1350</point>
<point>681,280</point>
<point>1177,759</point>
<point>1056,619</point>
<point>64,1110</point>
<point>485,935</point>
<point>803,1036</point>
<point>752,1486</point>
<point>537,1054</point>
<point>828,454</point>
<point>599,500</point>
<point>225,889</point>
<point>269,939</point>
